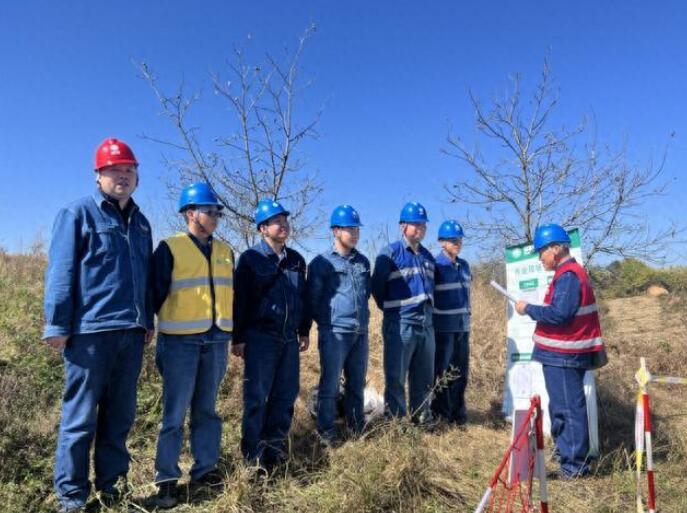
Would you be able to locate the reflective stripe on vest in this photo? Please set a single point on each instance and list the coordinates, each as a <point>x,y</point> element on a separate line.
<point>176,326</point>
<point>409,301</point>
<point>188,306</point>
<point>404,273</point>
<point>449,286</point>
<point>451,311</point>
<point>589,344</point>
<point>584,310</point>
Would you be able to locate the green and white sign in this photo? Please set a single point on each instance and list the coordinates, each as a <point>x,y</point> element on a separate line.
<point>526,279</point>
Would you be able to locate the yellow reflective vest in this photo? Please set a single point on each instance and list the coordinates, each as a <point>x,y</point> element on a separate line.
<point>188,307</point>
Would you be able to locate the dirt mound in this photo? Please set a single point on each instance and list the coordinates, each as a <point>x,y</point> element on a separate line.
<point>656,291</point>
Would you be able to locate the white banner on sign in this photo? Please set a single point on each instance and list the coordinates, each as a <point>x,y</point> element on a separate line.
<point>526,279</point>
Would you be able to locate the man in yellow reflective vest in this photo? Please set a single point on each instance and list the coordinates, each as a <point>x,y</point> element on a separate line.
<point>194,297</point>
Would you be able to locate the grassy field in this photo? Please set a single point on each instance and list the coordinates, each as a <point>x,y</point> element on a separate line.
<point>394,468</point>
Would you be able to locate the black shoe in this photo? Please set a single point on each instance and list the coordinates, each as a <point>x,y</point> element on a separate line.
<point>166,494</point>
<point>111,499</point>
<point>427,422</point>
<point>212,479</point>
<point>562,475</point>
<point>71,509</point>
<point>325,443</point>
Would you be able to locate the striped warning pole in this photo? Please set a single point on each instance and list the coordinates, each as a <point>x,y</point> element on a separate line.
<point>643,431</point>
<point>643,420</point>
<point>539,431</point>
<point>651,501</point>
<point>639,449</point>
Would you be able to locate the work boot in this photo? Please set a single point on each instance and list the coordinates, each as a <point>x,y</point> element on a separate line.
<point>324,442</point>
<point>111,499</point>
<point>69,508</point>
<point>562,475</point>
<point>166,494</point>
<point>426,421</point>
<point>212,479</point>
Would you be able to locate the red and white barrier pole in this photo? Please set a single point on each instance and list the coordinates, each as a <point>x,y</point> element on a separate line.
<point>643,423</point>
<point>493,483</point>
<point>532,421</point>
<point>651,500</point>
<point>539,432</point>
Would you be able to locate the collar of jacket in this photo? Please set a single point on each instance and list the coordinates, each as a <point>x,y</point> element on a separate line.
<point>570,260</point>
<point>101,198</point>
<point>442,258</point>
<point>407,246</point>
<point>197,242</point>
<point>350,256</point>
<point>267,250</point>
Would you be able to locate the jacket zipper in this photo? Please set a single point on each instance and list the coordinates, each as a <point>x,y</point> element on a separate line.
<point>131,263</point>
<point>355,297</point>
<point>286,308</point>
<point>212,288</point>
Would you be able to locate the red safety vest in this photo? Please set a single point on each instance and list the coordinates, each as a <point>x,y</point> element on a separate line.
<point>583,333</point>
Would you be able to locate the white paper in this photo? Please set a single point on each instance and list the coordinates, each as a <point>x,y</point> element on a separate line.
<point>503,291</point>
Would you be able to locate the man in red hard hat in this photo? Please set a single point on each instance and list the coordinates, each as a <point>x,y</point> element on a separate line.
<point>99,314</point>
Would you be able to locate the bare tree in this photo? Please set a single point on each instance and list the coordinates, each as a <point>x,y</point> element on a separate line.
<point>531,174</point>
<point>259,155</point>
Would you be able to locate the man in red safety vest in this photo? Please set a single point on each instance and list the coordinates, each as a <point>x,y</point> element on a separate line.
<point>567,342</point>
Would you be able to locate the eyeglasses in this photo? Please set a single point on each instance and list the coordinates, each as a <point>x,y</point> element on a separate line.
<point>211,213</point>
<point>544,250</point>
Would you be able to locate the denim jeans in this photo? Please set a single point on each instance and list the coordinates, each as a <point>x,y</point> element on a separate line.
<point>192,369</point>
<point>568,412</point>
<point>270,388</point>
<point>347,352</point>
<point>408,351</point>
<point>101,373</point>
<point>452,356</point>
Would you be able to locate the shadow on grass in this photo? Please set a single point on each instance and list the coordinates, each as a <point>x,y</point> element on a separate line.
<point>492,418</point>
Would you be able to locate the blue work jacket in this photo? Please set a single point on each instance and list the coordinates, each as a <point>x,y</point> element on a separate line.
<point>339,290</point>
<point>99,266</point>
<point>452,282</point>
<point>403,283</point>
<point>270,294</point>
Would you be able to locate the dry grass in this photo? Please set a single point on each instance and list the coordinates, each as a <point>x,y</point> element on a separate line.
<point>394,467</point>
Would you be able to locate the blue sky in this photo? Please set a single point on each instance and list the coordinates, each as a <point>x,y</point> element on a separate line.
<point>392,76</point>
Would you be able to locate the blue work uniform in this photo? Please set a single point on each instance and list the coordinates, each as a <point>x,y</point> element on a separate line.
<point>452,333</point>
<point>403,287</point>
<point>338,294</point>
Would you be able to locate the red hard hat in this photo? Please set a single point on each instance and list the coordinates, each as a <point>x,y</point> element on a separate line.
<point>113,151</point>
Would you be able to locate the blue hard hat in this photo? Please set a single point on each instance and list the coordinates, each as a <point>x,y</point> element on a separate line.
<point>198,194</point>
<point>413,212</point>
<point>267,209</point>
<point>450,230</point>
<point>345,216</point>
<point>548,234</point>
